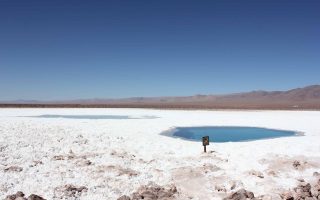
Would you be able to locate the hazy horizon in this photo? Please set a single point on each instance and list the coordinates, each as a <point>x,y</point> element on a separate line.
<point>132,97</point>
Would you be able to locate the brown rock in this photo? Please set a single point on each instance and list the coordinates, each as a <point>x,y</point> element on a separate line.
<point>19,194</point>
<point>220,188</point>
<point>302,191</point>
<point>69,190</point>
<point>35,163</point>
<point>10,197</point>
<point>287,196</point>
<point>59,157</point>
<point>35,197</point>
<point>13,169</point>
<point>241,194</point>
<point>296,164</point>
<point>153,191</point>
<point>124,197</point>
<point>256,173</point>
<point>304,187</point>
<point>73,188</point>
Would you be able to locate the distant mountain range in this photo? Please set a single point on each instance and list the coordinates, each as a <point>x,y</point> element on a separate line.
<point>299,98</point>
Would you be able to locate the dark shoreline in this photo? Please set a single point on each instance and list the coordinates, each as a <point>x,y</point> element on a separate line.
<point>169,106</point>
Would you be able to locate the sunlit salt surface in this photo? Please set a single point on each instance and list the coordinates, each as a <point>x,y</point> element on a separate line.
<point>94,117</point>
<point>228,134</point>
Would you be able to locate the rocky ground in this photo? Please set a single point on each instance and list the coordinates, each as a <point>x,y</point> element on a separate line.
<point>128,158</point>
<point>304,190</point>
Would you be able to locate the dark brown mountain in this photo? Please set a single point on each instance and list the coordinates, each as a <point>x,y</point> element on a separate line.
<point>300,98</point>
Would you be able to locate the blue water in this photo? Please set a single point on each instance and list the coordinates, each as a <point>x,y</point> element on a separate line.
<point>94,117</point>
<point>229,134</point>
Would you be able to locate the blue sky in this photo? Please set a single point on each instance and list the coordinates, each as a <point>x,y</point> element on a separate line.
<point>109,49</point>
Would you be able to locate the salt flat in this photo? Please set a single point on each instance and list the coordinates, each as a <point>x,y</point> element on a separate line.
<point>114,157</point>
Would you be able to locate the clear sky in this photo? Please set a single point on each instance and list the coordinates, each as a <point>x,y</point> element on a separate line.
<point>69,49</point>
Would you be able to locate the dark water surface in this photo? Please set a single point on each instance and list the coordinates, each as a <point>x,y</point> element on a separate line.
<point>229,134</point>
